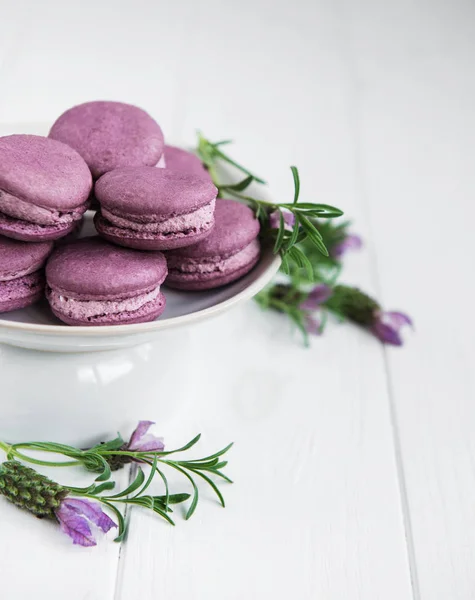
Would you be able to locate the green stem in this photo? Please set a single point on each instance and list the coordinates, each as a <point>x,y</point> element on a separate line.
<point>44,463</point>
<point>5,447</point>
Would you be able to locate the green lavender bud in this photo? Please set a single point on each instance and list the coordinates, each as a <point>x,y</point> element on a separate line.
<point>353,304</point>
<point>29,490</point>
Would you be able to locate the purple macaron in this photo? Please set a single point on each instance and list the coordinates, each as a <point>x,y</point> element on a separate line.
<point>230,251</point>
<point>22,280</point>
<point>154,209</point>
<point>178,159</point>
<point>110,135</point>
<point>91,282</point>
<point>44,188</point>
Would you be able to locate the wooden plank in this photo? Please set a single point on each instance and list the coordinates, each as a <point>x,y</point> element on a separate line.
<point>414,65</point>
<point>315,511</point>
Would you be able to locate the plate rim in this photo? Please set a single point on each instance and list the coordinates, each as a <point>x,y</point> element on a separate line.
<point>151,326</point>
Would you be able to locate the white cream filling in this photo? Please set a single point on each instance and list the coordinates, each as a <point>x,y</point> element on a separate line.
<point>95,308</point>
<point>19,209</point>
<point>191,266</point>
<point>178,223</point>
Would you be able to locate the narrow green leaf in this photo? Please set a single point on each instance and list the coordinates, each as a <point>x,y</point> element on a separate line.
<point>221,465</point>
<point>213,487</point>
<point>194,501</point>
<point>240,186</point>
<point>223,476</point>
<point>295,175</point>
<point>302,261</point>
<point>198,464</point>
<point>183,448</point>
<point>107,485</point>
<point>82,491</point>
<point>114,444</point>
<point>313,234</point>
<point>174,498</point>
<point>106,473</point>
<point>120,519</point>
<point>149,479</point>
<point>163,514</point>
<point>219,453</point>
<point>303,206</point>
<point>138,481</point>
<point>164,479</point>
<point>285,264</point>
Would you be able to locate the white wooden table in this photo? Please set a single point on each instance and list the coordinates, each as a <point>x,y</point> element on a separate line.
<point>354,464</point>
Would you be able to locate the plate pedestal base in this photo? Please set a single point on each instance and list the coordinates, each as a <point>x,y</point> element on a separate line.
<point>84,398</point>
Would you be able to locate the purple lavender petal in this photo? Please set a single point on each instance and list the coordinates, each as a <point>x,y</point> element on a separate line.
<point>139,432</point>
<point>150,443</point>
<point>92,511</point>
<point>387,325</point>
<point>312,325</point>
<point>396,319</point>
<point>289,220</point>
<point>141,441</point>
<point>316,297</point>
<point>75,526</point>
<point>351,242</point>
<point>386,333</point>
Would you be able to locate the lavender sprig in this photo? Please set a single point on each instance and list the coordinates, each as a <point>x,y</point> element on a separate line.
<point>284,224</point>
<point>142,448</point>
<point>312,247</point>
<point>308,309</point>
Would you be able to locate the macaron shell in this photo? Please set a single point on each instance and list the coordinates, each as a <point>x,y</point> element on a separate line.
<point>201,282</point>
<point>178,159</point>
<point>110,135</point>
<point>146,241</point>
<point>18,257</point>
<point>152,193</point>
<point>21,292</point>
<point>148,312</point>
<point>235,228</point>
<point>91,268</point>
<point>44,172</point>
<point>31,232</point>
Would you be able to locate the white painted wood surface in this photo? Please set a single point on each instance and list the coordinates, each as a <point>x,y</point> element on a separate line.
<point>353,464</point>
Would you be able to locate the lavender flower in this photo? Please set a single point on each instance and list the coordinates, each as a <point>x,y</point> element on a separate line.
<point>74,516</point>
<point>359,307</point>
<point>289,220</point>
<point>46,499</point>
<point>350,242</point>
<point>387,325</point>
<point>142,441</point>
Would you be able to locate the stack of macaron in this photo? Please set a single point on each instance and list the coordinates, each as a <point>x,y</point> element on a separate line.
<point>155,225</point>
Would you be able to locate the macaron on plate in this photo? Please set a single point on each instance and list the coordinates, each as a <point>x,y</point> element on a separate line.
<point>197,286</point>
